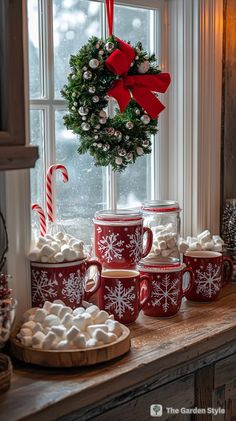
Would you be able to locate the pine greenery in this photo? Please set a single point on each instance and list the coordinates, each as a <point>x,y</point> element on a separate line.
<point>111,141</point>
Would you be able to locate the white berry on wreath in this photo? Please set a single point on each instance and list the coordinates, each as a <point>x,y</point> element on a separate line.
<point>92,83</point>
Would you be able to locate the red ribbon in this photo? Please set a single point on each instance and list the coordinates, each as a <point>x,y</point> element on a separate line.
<point>140,87</point>
<point>110,15</point>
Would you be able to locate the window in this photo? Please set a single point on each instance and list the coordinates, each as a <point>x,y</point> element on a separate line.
<point>56,29</point>
<point>185,164</point>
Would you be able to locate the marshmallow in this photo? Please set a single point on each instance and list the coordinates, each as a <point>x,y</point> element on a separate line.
<point>183,246</point>
<point>72,255</point>
<point>218,247</point>
<point>40,315</point>
<point>217,239</point>
<point>171,243</point>
<point>58,302</point>
<point>204,236</point>
<point>44,259</point>
<point>37,328</point>
<point>25,332</point>
<point>92,328</point>
<point>63,345</point>
<point>195,246</point>
<point>47,251</point>
<point>93,311</point>
<point>166,253</point>
<point>64,310</point>
<point>37,340</point>
<point>59,330</point>
<point>80,322</point>
<point>102,336</point>
<point>41,242</point>
<point>55,246</point>
<point>67,320</point>
<point>114,327</point>
<point>59,258</point>
<point>26,340</point>
<point>91,343</point>
<point>55,308</point>
<point>48,341</point>
<point>78,310</point>
<point>59,235</point>
<point>47,305</point>
<point>209,245</point>
<point>29,325</point>
<point>65,250</point>
<point>51,320</point>
<point>80,341</point>
<point>72,333</point>
<point>101,317</point>
<point>162,245</point>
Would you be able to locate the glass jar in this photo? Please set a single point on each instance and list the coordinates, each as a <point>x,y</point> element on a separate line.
<point>119,237</point>
<point>163,217</point>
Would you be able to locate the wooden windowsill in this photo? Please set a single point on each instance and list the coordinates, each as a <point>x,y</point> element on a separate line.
<point>199,334</point>
<point>17,157</point>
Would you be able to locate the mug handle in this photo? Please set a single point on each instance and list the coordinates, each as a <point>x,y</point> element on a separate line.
<point>148,279</point>
<point>192,279</point>
<point>88,294</point>
<point>148,247</point>
<point>227,261</point>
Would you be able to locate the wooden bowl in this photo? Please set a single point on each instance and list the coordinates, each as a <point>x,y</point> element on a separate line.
<point>5,373</point>
<point>73,357</point>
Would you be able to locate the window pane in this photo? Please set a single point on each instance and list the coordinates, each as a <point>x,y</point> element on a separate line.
<point>34,60</point>
<point>37,173</point>
<point>133,24</point>
<point>77,200</point>
<point>74,22</point>
<point>133,184</point>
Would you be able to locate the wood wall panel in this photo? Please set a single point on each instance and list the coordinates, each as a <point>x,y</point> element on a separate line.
<point>229,103</point>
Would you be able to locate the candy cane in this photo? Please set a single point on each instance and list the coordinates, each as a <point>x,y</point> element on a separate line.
<point>49,200</point>
<point>42,219</point>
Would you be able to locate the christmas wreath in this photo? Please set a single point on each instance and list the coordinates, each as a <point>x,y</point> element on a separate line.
<point>113,68</point>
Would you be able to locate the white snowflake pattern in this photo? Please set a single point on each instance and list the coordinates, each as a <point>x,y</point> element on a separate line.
<point>43,288</point>
<point>165,293</point>
<point>73,287</point>
<point>119,299</point>
<point>208,282</point>
<point>135,245</point>
<point>110,247</point>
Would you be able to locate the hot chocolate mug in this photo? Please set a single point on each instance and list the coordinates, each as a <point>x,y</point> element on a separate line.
<point>119,294</point>
<point>209,274</point>
<point>119,237</point>
<point>166,288</point>
<point>65,281</point>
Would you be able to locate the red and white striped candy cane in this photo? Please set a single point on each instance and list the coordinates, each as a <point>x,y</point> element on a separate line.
<point>49,200</point>
<point>42,219</point>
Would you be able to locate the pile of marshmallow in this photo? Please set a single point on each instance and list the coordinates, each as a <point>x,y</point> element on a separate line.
<point>164,242</point>
<point>58,327</point>
<point>204,241</point>
<point>57,249</point>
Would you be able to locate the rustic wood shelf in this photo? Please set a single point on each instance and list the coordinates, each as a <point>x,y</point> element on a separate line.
<point>175,361</point>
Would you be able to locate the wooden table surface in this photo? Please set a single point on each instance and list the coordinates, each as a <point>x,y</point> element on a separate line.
<point>157,344</point>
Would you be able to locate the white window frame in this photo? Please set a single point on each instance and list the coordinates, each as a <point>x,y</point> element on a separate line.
<point>193,56</point>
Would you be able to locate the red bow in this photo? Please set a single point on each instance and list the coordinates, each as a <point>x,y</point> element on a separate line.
<point>140,87</point>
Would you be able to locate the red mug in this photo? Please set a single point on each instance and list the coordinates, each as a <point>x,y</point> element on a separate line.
<point>118,238</point>
<point>209,275</point>
<point>64,281</point>
<point>166,289</point>
<point>119,294</point>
